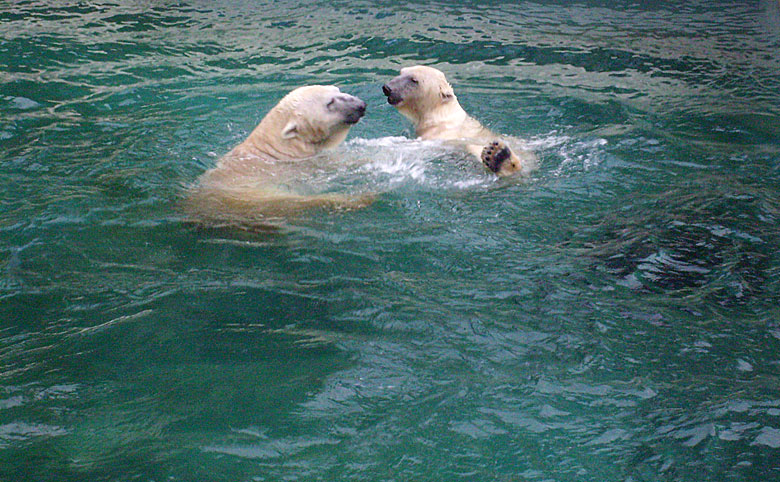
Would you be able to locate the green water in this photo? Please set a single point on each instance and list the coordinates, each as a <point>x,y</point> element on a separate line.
<point>614,318</point>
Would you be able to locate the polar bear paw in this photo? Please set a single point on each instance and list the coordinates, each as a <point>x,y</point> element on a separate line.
<point>494,155</point>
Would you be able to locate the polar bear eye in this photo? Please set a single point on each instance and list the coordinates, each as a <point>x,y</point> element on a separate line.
<point>413,80</point>
<point>330,104</point>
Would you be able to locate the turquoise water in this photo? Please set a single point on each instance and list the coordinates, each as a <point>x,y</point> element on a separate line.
<point>613,318</point>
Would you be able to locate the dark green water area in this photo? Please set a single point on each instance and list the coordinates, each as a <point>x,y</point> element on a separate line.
<point>615,317</point>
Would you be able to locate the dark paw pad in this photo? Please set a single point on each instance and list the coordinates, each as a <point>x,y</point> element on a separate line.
<point>494,155</point>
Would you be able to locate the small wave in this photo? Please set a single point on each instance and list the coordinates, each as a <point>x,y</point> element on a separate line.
<point>438,164</point>
<point>390,141</point>
<point>550,141</point>
<point>21,431</point>
<point>582,154</point>
<point>399,168</point>
<point>398,160</point>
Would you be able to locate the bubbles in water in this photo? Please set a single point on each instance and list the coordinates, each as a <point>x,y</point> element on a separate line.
<point>399,161</point>
<point>400,158</point>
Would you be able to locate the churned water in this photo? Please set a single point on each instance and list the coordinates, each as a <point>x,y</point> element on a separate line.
<point>613,318</point>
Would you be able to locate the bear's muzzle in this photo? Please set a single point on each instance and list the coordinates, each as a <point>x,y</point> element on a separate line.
<point>393,97</point>
<point>350,107</point>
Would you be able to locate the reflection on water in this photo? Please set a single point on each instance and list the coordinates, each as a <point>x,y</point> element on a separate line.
<point>612,318</point>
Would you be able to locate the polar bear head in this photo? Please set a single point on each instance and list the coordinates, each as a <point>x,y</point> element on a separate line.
<point>418,91</point>
<point>306,121</point>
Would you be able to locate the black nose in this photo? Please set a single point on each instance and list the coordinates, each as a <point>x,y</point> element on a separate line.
<point>386,90</point>
<point>361,107</point>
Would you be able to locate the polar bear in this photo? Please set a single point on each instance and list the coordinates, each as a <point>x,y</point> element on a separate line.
<point>423,95</point>
<point>253,183</point>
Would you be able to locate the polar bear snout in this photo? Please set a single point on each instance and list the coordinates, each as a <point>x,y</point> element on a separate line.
<point>349,107</point>
<point>398,88</point>
<point>393,95</point>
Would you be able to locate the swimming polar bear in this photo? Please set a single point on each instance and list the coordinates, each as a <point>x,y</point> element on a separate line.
<point>252,183</point>
<point>423,95</point>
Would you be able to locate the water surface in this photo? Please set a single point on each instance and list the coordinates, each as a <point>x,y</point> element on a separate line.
<point>613,318</point>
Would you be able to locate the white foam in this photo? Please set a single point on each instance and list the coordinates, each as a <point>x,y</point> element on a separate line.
<point>399,158</point>
<point>577,154</point>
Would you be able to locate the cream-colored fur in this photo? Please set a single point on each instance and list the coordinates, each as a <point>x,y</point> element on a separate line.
<point>250,184</point>
<point>423,95</point>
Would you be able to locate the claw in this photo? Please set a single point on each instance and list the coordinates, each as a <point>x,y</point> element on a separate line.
<point>494,155</point>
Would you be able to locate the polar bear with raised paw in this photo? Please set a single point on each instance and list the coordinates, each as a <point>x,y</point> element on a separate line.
<point>423,95</point>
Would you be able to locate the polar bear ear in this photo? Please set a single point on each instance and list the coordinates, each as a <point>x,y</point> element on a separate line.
<point>446,93</point>
<point>290,130</point>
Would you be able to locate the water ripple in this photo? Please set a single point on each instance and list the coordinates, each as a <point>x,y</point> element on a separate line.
<point>613,317</point>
